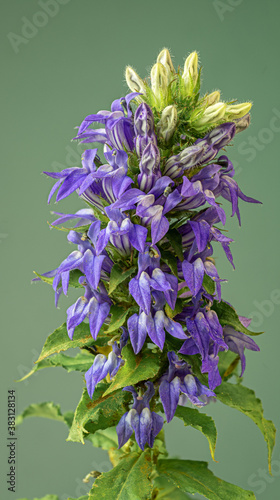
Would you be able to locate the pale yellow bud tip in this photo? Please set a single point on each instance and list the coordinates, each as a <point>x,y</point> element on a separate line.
<point>134,82</point>
<point>211,115</point>
<point>158,78</point>
<point>190,73</point>
<point>164,58</point>
<point>236,111</point>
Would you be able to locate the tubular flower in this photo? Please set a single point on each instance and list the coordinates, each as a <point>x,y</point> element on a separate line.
<point>177,380</point>
<point>103,365</point>
<point>140,419</point>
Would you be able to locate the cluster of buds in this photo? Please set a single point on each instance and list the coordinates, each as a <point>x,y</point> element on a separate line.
<point>173,93</point>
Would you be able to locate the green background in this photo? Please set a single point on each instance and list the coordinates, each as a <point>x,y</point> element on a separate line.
<point>73,66</point>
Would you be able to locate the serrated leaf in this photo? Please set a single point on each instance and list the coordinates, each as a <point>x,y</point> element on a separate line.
<point>228,316</point>
<point>175,239</point>
<point>208,284</point>
<point>167,492</point>
<point>118,275</point>
<point>45,410</point>
<point>73,280</point>
<point>118,317</point>
<point>106,439</point>
<point>228,361</point>
<point>143,366</point>
<point>81,363</point>
<point>243,399</point>
<point>170,260</point>
<point>97,413</point>
<point>194,477</point>
<point>171,313</point>
<point>59,341</point>
<point>129,480</point>
<point>201,422</point>
<point>176,222</point>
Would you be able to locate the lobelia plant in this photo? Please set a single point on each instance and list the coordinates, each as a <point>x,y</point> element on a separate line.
<point>155,338</point>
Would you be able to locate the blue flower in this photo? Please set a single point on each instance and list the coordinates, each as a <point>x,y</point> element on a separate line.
<point>179,379</point>
<point>103,365</point>
<point>140,419</point>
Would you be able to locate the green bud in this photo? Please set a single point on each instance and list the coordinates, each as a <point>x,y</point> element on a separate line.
<point>212,98</point>
<point>236,111</point>
<point>211,115</point>
<point>158,79</point>
<point>134,82</point>
<point>190,73</point>
<point>164,58</point>
<point>167,123</point>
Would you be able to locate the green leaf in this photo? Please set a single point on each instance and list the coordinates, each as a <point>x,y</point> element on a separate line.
<point>73,280</point>
<point>97,413</point>
<point>129,480</point>
<point>59,341</point>
<point>243,399</point>
<point>201,422</point>
<point>228,316</point>
<point>118,275</point>
<point>106,439</point>
<point>175,239</point>
<point>143,366</point>
<point>194,477</point>
<point>118,317</point>
<point>170,260</point>
<point>179,221</point>
<point>45,410</point>
<point>209,285</point>
<point>228,362</point>
<point>81,363</point>
<point>167,492</point>
<point>171,313</point>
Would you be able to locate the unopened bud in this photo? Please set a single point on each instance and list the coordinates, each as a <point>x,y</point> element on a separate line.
<point>212,98</point>
<point>159,79</point>
<point>236,111</point>
<point>211,115</point>
<point>134,82</point>
<point>144,120</point>
<point>243,123</point>
<point>164,58</point>
<point>168,121</point>
<point>190,73</point>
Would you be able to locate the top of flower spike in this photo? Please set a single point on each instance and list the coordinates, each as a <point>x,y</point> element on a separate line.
<point>174,97</point>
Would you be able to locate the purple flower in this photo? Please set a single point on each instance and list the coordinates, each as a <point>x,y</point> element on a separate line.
<point>119,130</point>
<point>140,419</point>
<point>71,179</point>
<point>179,379</point>
<point>102,366</point>
<point>237,342</point>
<point>121,233</point>
<point>93,305</point>
<point>154,324</point>
<point>144,128</point>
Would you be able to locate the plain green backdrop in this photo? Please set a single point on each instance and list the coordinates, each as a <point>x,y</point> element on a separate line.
<point>60,66</point>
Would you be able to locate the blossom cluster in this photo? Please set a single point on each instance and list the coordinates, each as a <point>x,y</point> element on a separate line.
<point>154,202</point>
